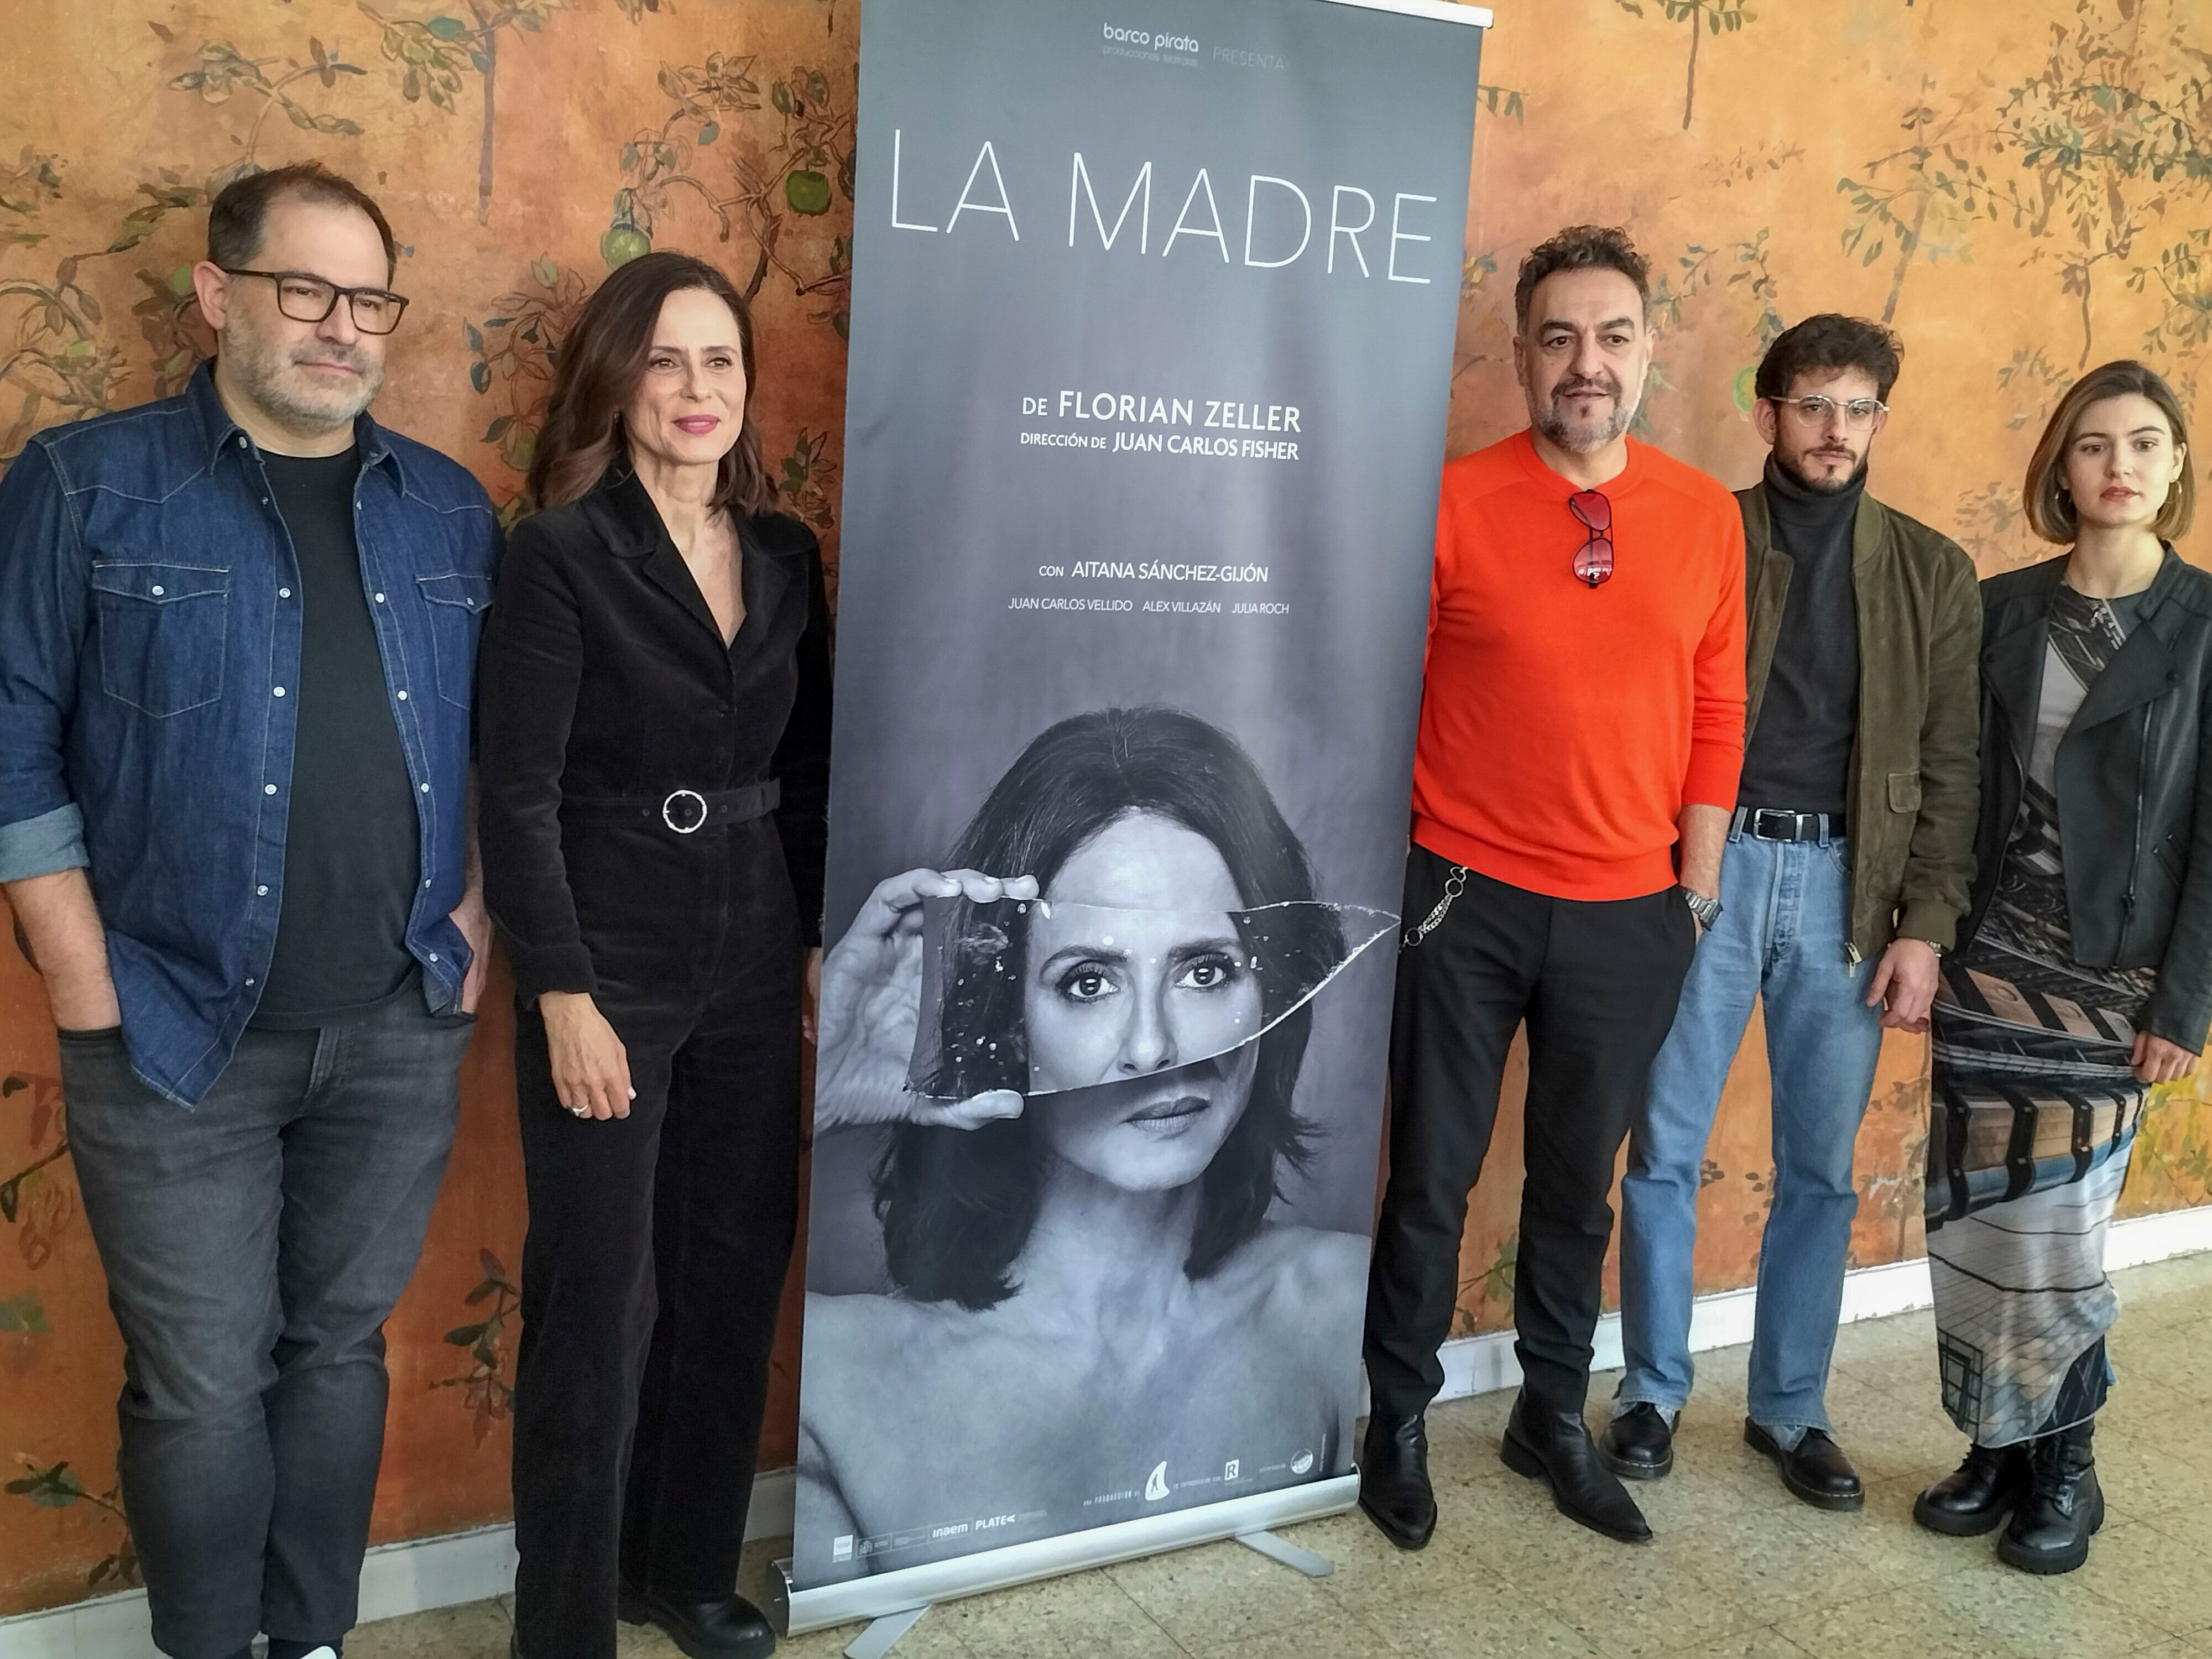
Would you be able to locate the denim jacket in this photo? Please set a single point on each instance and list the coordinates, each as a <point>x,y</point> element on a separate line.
<point>147,624</point>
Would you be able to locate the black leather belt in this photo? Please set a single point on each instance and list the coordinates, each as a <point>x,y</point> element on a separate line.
<point>1773,823</point>
<point>686,812</point>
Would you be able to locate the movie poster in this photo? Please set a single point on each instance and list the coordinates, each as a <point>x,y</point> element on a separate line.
<point>1151,341</point>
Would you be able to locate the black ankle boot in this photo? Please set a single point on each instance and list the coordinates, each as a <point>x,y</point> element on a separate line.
<point>2050,1527</point>
<point>1976,1497</point>
<point>1554,1445</point>
<point>1639,1445</point>
<point>1815,1469</point>
<point>727,1627</point>
<point>1393,1479</point>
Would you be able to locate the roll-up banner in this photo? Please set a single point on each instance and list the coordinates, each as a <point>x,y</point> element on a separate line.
<point>1151,341</point>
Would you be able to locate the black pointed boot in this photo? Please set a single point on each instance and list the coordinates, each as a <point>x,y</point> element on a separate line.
<point>1554,1446</point>
<point>2050,1527</point>
<point>1976,1497</point>
<point>1393,1479</point>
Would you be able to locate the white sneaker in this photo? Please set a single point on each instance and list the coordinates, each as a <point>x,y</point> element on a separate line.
<point>325,1652</point>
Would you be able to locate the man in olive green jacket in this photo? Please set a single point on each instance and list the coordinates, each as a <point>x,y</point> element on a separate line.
<point>1846,871</point>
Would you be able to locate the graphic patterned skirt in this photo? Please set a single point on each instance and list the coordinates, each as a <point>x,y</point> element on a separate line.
<point>2034,1115</point>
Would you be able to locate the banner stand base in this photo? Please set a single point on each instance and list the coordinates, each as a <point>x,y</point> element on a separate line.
<point>907,1590</point>
<point>1311,1563</point>
<point>883,1634</point>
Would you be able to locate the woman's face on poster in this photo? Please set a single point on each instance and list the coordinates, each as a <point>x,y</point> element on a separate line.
<point>1139,1004</point>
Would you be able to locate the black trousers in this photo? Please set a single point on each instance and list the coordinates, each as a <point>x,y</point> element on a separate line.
<point>1597,984</point>
<point>651,1280</point>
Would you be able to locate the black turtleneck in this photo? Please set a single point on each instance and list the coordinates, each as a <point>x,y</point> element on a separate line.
<point>1799,754</point>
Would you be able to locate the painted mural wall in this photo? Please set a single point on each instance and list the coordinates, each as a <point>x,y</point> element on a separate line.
<point>2022,189</point>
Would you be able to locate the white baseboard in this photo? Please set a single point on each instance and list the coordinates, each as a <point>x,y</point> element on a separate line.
<point>395,1579</point>
<point>1478,1364</point>
<point>472,1566</point>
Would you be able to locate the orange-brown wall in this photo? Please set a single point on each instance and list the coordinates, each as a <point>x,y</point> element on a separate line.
<point>1883,157</point>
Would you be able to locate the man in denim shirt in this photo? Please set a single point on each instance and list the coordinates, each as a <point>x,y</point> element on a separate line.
<point>237,641</point>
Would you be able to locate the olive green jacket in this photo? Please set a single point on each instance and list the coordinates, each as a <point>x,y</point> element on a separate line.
<point>1916,782</point>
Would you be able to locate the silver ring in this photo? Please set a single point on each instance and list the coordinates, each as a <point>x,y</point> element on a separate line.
<point>684,829</point>
<point>578,1111</point>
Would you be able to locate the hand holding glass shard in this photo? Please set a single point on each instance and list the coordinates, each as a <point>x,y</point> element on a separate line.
<point>870,999</point>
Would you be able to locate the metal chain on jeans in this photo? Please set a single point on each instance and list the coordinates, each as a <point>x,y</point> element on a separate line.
<point>1455,885</point>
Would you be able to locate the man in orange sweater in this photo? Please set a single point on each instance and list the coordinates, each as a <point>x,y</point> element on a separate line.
<point>1582,728</point>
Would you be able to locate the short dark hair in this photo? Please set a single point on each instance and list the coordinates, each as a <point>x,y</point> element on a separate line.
<point>238,220</point>
<point>1581,247</point>
<point>2050,512</point>
<point>1830,340</point>
<point>956,1205</point>
<point>596,373</point>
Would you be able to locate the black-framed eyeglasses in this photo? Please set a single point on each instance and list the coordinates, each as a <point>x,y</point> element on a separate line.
<point>307,298</point>
<point>1858,414</point>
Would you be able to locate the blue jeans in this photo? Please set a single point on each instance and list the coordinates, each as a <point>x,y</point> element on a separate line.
<point>1782,936</point>
<point>252,1248</point>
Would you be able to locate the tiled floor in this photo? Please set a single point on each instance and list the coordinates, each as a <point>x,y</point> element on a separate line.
<point>1739,1569</point>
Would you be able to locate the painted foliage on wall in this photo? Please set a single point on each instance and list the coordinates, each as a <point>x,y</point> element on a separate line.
<point>2020,190</point>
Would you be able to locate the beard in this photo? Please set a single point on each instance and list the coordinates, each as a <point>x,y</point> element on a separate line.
<point>1812,486</point>
<point>269,374</point>
<point>1581,435</point>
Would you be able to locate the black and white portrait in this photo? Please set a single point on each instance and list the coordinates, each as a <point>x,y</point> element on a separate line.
<point>1073,1055</point>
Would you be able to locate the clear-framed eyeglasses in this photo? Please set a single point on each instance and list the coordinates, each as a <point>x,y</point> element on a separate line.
<point>1859,414</point>
<point>307,298</point>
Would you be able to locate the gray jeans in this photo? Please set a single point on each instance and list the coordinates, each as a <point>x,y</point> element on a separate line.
<point>252,1248</point>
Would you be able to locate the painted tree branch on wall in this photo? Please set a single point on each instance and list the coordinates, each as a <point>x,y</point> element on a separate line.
<point>773,180</point>
<point>486,1393</point>
<point>436,54</point>
<point>2184,275</point>
<point>34,1198</point>
<point>56,1486</point>
<point>807,479</point>
<point>1715,16</point>
<point>54,353</point>
<point>2116,129</point>
<point>1922,199</point>
<point>1749,276</point>
<point>222,70</point>
<point>514,348</point>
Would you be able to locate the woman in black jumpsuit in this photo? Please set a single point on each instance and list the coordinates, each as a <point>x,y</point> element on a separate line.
<point>654,764</point>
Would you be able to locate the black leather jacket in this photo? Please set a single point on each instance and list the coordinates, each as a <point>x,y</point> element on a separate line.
<point>2134,783</point>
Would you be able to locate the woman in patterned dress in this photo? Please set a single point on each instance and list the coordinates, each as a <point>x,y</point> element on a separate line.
<point>2085,973</point>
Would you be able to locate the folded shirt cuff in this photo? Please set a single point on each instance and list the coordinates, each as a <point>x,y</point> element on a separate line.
<point>41,846</point>
<point>552,968</point>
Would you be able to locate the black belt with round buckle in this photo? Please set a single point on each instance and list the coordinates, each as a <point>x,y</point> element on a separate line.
<point>1774,823</point>
<point>686,812</point>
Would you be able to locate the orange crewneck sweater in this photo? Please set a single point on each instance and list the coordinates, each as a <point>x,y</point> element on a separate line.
<point>1565,727</point>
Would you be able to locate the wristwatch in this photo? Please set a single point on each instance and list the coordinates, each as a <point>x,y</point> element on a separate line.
<point>1706,910</point>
